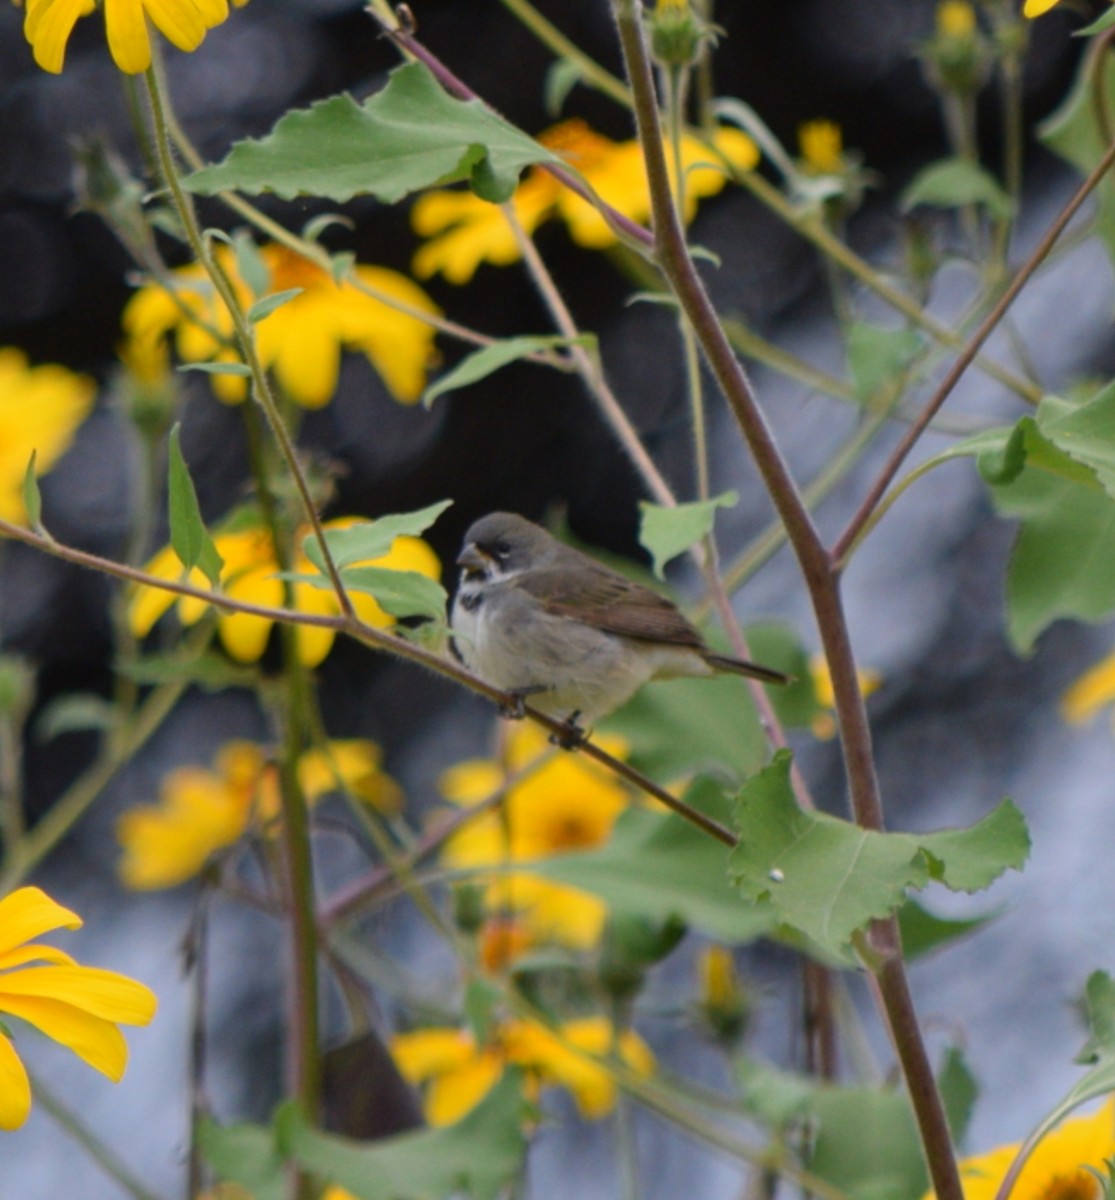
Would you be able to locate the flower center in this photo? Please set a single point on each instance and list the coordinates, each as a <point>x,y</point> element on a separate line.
<point>1080,1185</point>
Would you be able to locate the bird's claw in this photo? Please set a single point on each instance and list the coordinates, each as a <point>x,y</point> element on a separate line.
<point>516,710</point>
<point>572,735</point>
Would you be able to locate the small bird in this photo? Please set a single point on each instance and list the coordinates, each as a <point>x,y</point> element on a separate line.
<point>537,618</point>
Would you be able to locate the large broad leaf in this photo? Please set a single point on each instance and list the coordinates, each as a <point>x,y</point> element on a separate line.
<point>658,865</point>
<point>828,879</point>
<point>1061,565</point>
<point>863,1140</point>
<point>409,136</point>
<point>1075,133</point>
<point>667,531</point>
<point>878,356</point>
<point>478,1157</point>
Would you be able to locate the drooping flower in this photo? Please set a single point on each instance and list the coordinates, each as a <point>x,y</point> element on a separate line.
<point>1067,1163</point>
<point>79,1007</point>
<point>251,574</point>
<point>300,341</point>
<point>564,803</point>
<point>40,409</point>
<point>202,811</point>
<point>458,1073</point>
<point>49,23</point>
<point>464,231</point>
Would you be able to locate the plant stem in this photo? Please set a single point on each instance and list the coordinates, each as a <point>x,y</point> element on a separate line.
<point>821,578</point>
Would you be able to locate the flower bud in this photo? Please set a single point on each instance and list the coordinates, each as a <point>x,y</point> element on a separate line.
<point>724,1003</point>
<point>675,33</point>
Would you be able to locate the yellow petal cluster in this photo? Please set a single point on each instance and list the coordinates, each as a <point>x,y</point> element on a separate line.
<point>822,147</point>
<point>457,1072</point>
<point>301,341</point>
<point>40,409</point>
<point>560,802</point>
<point>251,575</point>
<point>202,811</point>
<point>1035,8</point>
<point>1067,1164</point>
<point>464,231</point>
<point>79,1007</point>
<point>49,23</point>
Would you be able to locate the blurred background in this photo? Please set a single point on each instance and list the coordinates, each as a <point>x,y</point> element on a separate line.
<point>959,720</point>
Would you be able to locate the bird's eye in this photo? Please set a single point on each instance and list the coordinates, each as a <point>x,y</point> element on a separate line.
<point>501,550</point>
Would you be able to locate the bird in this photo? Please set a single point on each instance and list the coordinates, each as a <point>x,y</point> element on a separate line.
<point>542,620</point>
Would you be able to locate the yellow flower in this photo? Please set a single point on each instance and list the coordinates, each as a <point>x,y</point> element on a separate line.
<point>566,803</point>
<point>824,724</point>
<point>822,147</point>
<point>40,408</point>
<point>465,231</point>
<point>458,1073</point>
<point>1058,1169</point>
<point>49,23</point>
<point>957,18</point>
<point>80,1007</point>
<point>250,575</point>
<point>301,341</point>
<point>1090,692</point>
<point>201,812</point>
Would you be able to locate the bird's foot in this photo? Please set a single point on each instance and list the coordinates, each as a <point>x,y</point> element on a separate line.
<point>572,735</point>
<point>516,710</point>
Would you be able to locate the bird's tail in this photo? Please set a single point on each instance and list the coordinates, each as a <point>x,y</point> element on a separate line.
<point>740,666</point>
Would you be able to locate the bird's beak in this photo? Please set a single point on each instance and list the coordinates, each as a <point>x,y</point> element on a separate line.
<point>473,559</point>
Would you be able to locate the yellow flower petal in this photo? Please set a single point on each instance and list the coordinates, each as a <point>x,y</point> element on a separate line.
<point>48,25</point>
<point>179,21</point>
<point>94,1040</point>
<point>105,994</point>
<point>15,1088</point>
<point>27,913</point>
<point>1035,8</point>
<point>128,38</point>
<point>449,1097</point>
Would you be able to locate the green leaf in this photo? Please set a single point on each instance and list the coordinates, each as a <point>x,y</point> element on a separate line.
<point>561,78</point>
<point>188,535</point>
<point>1061,562</point>
<point>955,183</point>
<point>409,136</point>
<point>369,540</point>
<point>923,932</point>
<point>217,368</point>
<point>864,1141</point>
<point>828,879</point>
<point>669,531</point>
<point>32,497</point>
<point>877,356</point>
<point>779,646</point>
<point>1084,433</point>
<point>485,362</point>
<point>678,726</point>
<point>244,1154</point>
<point>659,866</point>
<point>1075,132</point>
<point>211,672</point>
<point>1003,464</point>
<point>1098,26</point>
<point>250,263</point>
<point>265,307</point>
<point>72,712</point>
<point>399,593</point>
<point>478,1157</point>
<point>959,1091</point>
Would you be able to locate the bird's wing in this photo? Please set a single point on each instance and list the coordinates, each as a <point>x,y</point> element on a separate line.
<point>608,601</point>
